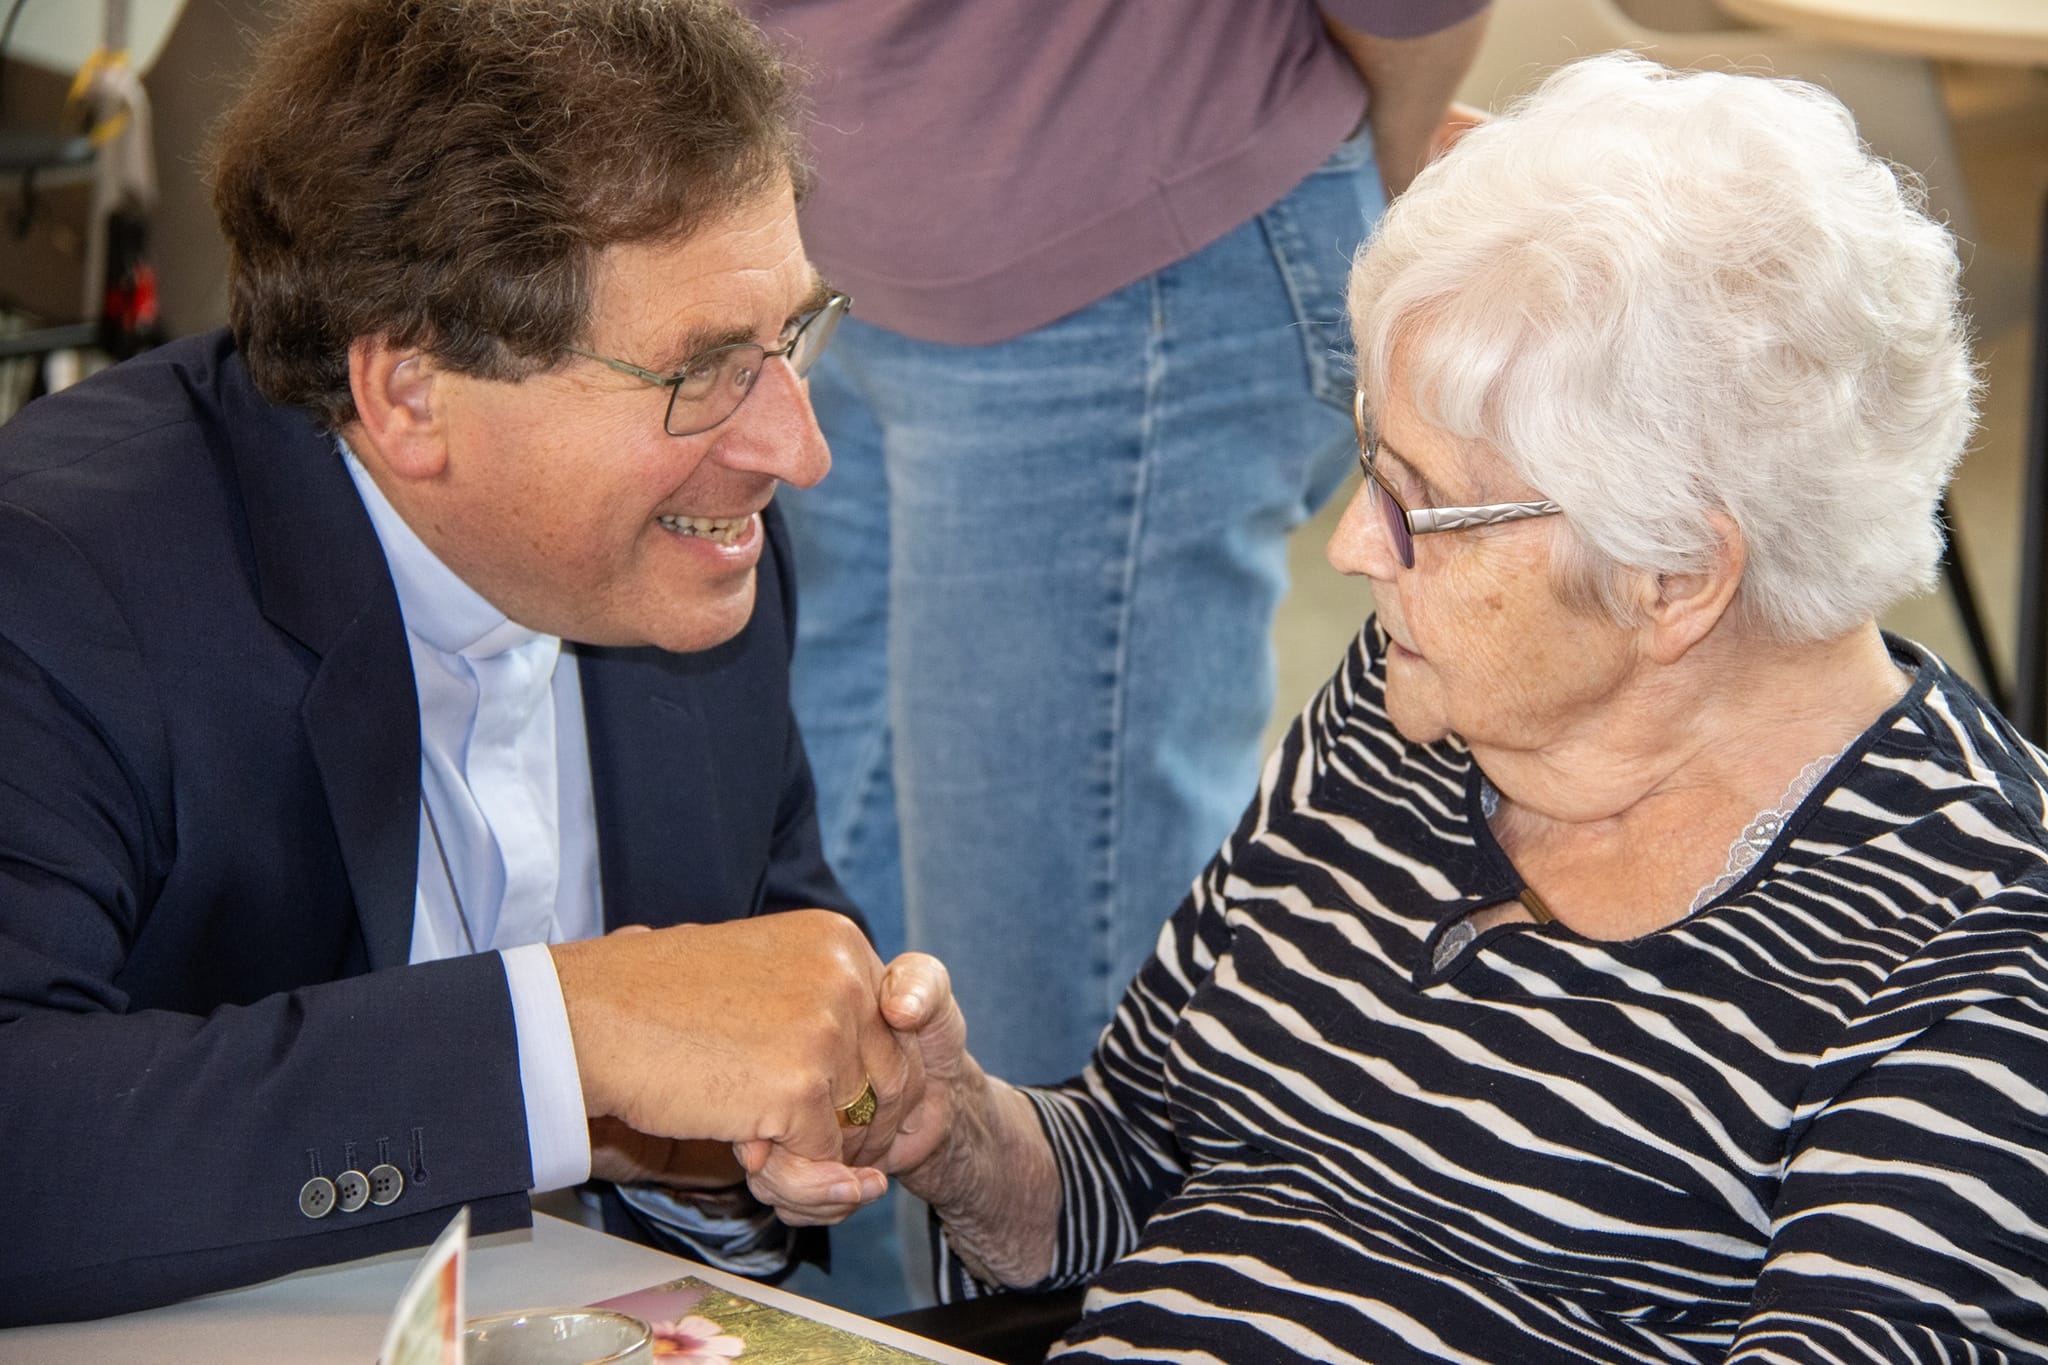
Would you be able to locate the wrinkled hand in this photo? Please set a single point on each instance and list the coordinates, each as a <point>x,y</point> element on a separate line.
<point>917,1003</point>
<point>748,1029</point>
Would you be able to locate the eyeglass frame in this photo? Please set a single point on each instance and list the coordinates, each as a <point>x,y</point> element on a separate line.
<point>1428,520</point>
<point>827,314</point>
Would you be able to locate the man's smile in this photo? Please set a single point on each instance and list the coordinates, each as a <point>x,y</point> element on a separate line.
<point>722,530</point>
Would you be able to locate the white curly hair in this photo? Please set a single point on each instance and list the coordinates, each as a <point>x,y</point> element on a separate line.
<point>1658,295</point>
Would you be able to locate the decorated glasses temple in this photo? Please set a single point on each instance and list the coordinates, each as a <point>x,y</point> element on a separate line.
<point>1403,525</point>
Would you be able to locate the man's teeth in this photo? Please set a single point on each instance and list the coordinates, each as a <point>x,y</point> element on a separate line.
<point>724,530</point>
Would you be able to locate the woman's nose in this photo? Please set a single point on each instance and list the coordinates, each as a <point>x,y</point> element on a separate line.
<point>1360,545</point>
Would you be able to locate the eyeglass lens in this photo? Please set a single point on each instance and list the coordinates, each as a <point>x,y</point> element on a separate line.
<point>1392,514</point>
<point>714,385</point>
<point>809,342</point>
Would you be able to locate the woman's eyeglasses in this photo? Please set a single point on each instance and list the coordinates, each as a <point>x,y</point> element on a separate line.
<point>1403,525</point>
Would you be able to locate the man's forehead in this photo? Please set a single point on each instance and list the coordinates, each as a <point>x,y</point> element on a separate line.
<point>756,239</point>
<point>741,273</point>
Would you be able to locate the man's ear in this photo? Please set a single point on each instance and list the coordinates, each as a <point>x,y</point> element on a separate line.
<point>1683,609</point>
<point>398,412</point>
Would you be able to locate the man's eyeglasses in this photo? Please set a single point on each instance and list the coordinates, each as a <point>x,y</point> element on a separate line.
<point>711,387</point>
<point>1403,525</point>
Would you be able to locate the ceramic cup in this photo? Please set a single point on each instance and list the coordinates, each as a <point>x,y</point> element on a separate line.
<point>558,1336</point>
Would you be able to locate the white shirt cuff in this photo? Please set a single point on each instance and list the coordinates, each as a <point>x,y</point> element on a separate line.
<point>557,1131</point>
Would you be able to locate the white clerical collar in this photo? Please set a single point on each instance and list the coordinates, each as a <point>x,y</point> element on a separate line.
<point>442,610</point>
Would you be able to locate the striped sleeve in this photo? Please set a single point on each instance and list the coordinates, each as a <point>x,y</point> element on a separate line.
<point>1110,1129</point>
<point>1914,1211</point>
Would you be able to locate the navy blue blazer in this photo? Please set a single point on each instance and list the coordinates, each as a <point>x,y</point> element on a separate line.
<point>209,824</point>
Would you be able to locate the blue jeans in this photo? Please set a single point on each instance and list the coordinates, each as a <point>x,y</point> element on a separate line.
<point>1034,656</point>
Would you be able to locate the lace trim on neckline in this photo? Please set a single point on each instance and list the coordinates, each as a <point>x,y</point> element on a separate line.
<point>1754,841</point>
<point>1759,834</point>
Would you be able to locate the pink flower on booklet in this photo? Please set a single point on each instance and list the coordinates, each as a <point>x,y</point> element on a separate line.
<point>694,1340</point>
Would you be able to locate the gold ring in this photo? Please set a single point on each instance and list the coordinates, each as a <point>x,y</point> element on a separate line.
<point>859,1112</point>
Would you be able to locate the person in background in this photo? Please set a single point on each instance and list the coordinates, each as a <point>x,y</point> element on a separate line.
<point>1096,376</point>
<point>1633,954</point>
<point>362,664</point>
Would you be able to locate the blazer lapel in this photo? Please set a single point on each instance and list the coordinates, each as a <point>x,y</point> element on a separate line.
<point>362,720</point>
<point>667,853</point>
<point>321,578</point>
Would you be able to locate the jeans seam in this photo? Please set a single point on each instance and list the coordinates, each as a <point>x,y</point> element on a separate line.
<point>1104,909</point>
<point>1283,239</point>
<point>1299,276</point>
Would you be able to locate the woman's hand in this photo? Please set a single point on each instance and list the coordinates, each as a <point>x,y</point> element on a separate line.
<point>917,1001</point>
<point>702,1173</point>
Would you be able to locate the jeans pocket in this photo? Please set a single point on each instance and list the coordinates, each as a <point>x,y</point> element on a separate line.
<point>1313,234</point>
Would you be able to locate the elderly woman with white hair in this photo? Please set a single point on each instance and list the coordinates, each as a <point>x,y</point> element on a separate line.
<point>1633,954</point>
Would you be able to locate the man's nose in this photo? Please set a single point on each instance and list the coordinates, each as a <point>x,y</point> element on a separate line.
<point>774,432</point>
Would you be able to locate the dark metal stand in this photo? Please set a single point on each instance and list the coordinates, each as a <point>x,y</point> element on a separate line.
<point>1958,579</point>
<point>2029,710</point>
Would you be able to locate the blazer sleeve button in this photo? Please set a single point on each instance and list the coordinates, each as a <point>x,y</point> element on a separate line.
<point>351,1190</point>
<point>386,1184</point>
<point>316,1197</point>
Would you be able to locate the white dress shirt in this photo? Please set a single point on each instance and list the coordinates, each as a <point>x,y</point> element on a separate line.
<point>508,829</point>
<point>508,855</point>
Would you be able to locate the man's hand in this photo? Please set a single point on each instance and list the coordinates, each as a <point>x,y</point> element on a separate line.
<point>750,1029</point>
<point>916,1001</point>
<point>970,1146</point>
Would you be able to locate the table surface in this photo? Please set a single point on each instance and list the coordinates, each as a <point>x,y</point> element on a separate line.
<point>336,1315</point>
<point>2004,32</point>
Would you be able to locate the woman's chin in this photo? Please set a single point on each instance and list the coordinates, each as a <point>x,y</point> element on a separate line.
<point>1417,723</point>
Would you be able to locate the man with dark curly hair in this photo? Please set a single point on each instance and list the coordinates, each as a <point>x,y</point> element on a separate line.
<point>363,664</point>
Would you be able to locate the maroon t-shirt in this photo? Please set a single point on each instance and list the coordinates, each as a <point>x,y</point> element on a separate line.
<point>986,166</point>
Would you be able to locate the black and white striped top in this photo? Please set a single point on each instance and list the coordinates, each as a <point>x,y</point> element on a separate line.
<point>1808,1122</point>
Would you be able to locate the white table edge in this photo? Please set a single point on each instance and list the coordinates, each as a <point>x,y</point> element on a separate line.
<point>335,1315</point>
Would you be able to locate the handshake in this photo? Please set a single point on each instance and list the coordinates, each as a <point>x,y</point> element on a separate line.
<point>777,1049</point>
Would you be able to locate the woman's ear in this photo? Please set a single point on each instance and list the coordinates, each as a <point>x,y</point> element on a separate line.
<point>398,418</point>
<point>1683,609</point>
